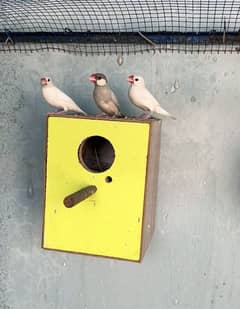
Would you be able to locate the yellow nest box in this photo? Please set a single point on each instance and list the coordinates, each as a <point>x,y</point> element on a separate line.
<point>116,161</point>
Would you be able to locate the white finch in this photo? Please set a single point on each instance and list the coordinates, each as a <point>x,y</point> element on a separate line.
<point>103,95</point>
<point>57,98</point>
<point>140,96</point>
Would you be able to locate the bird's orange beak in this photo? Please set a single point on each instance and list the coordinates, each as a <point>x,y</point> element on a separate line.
<point>131,79</point>
<point>93,78</point>
<point>43,81</point>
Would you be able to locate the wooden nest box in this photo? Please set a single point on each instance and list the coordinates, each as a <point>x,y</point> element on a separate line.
<point>101,179</point>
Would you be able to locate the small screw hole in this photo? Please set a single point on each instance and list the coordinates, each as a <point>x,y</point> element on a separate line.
<point>108,179</point>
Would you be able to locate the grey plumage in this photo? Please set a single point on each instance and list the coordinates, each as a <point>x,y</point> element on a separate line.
<point>103,95</point>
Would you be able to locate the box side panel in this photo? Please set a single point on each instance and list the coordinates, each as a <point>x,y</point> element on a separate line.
<point>151,185</point>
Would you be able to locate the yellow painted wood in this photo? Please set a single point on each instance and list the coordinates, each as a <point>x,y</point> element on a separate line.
<point>108,223</point>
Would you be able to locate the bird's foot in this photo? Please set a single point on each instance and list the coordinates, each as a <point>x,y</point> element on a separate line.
<point>103,115</point>
<point>115,116</point>
<point>144,116</point>
<point>120,115</point>
<point>81,114</point>
<point>59,111</point>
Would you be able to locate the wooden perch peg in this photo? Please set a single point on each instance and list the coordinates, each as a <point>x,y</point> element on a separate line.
<point>79,196</point>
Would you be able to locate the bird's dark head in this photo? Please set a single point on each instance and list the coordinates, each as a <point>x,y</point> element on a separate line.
<point>98,79</point>
<point>45,81</point>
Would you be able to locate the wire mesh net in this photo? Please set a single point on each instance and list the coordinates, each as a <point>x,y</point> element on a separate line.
<point>123,26</point>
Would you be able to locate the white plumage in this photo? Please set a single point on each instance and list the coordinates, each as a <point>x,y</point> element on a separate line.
<point>57,98</point>
<point>140,96</point>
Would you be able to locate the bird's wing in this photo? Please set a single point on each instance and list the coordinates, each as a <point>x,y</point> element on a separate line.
<point>162,111</point>
<point>142,98</point>
<point>66,101</point>
<point>149,101</point>
<point>63,97</point>
<point>114,98</point>
<point>154,105</point>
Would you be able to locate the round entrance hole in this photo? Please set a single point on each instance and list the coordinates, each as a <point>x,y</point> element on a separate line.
<point>96,154</point>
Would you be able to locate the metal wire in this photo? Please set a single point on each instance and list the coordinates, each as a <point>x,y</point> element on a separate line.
<point>120,26</point>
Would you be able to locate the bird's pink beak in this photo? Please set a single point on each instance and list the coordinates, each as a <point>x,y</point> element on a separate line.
<point>131,79</point>
<point>93,78</point>
<point>43,81</point>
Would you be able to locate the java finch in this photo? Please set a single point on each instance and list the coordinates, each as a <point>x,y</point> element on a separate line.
<point>140,96</point>
<point>57,98</point>
<point>103,95</point>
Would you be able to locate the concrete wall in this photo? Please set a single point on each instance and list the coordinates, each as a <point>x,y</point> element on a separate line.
<point>193,260</point>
